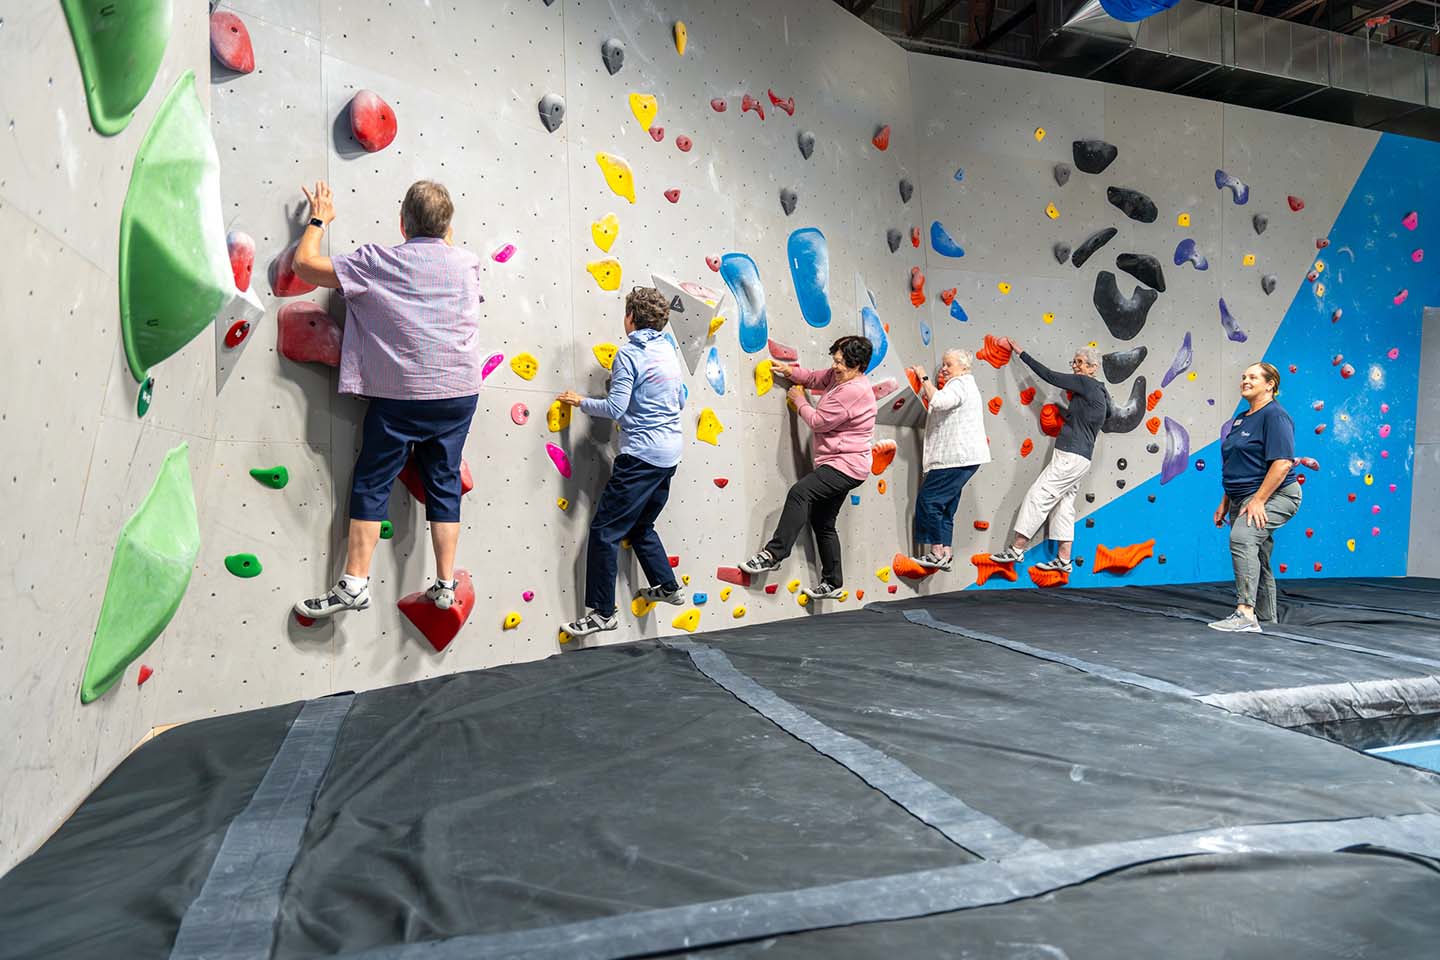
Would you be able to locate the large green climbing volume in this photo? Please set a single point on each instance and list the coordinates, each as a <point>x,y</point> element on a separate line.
<point>174,271</point>
<point>119,46</point>
<point>154,557</point>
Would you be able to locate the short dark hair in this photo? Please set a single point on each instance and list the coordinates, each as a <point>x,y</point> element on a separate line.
<point>648,308</point>
<point>854,352</point>
<point>426,210</point>
<point>1272,375</point>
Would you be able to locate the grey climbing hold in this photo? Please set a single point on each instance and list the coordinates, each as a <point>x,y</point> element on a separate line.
<point>806,140</point>
<point>1268,282</point>
<point>1144,268</point>
<point>893,238</point>
<point>1062,252</point>
<point>1093,156</point>
<point>1152,448</point>
<point>1119,365</point>
<point>552,111</point>
<point>1089,498</point>
<point>788,199</point>
<point>612,51</point>
<point>1132,203</point>
<point>1092,243</point>
<point>1124,316</point>
<point>1062,174</point>
<point>907,189</point>
<point>1121,464</point>
<point>1126,416</point>
<point>1259,222</point>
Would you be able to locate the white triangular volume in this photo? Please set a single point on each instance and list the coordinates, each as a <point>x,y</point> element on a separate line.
<point>692,307</point>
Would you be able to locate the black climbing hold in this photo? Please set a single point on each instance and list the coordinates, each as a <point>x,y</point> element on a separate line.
<point>893,238</point>
<point>1199,464</point>
<point>1151,498</point>
<point>1062,174</point>
<point>612,51</point>
<point>1161,558</point>
<point>907,189</point>
<point>1089,498</point>
<point>1120,483</point>
<point>1089,524</point>
<point>1268,282</point>
<point>1132,203</point>
<point>1126,416</point>
<point>788,199</point>
<point>1152,448</point>
<point>552,111</point>
<point>1144,268</point>
<point>1121,464</point>
<point>1259,222</point>
<point>1093,156</point>
<point>1118,366</point>
<point>806,140</point>
<point>1124,316</point>
<point>1062,252</point>
<point>1092,243</point>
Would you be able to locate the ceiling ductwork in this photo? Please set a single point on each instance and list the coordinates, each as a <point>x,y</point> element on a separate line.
<point>1223,53</point>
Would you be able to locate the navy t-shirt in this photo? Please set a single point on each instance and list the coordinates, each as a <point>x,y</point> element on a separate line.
<point>1256,439</point>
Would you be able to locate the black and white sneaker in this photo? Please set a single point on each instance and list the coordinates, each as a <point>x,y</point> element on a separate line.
<point>592,622</point>
<point>933,561</point>
<point>762,562</point>
<point>337,600</point>
<point>1008,555</point>
<point>823,591</point>
<point>441,594</point>
<point>661,595</point>
<point>1061,566</point>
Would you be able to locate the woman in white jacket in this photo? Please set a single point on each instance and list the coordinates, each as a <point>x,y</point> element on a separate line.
<point>955,447</point>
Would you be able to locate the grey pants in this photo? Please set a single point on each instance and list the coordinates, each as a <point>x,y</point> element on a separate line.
<point>1250,549</point>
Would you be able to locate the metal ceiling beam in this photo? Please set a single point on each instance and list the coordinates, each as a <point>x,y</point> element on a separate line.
<point>858,7</point>
<point>1008,24</point>
<point>1298,9</point>
<point>933,17</point>
<point>1379,11</point>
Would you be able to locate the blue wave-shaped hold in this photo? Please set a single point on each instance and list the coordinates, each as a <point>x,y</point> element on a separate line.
<point>1239,191</point>
<point>874,331</point>
<point>810,270</point>
<point>715,371</point>
<point>1187,252</point>
<point>742,276</point>
<point>958,312</point>
<point>942,242</point>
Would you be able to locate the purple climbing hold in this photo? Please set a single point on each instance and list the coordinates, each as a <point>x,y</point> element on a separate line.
<point>1187,252</point>
<point>1239,192</point>
<point>1177,451</point>
<point>1231,325</point>
<point>1183,358</point>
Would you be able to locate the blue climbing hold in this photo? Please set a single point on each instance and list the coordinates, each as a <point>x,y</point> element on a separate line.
<point>924,333</point>
<point>855,499</point>
<point>942,242</point>
<point>958,312</point>
<point>810,270</point>
<point>874,331</point>
<point>699,599</point>
<point>960,174</point>
<point>715,371</point>
<point>1187,252</point>
<point>742,276</point>
<point>1239,191</point>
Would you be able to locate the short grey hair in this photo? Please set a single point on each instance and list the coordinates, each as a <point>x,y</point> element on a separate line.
<point>962,357</point>
<point>1091,356</point>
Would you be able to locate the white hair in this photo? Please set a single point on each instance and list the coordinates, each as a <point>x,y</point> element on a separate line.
<point>961,357</point>
<point>1091,356</point>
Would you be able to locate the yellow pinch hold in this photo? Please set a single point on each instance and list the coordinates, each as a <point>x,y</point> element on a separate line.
<point>793,585</point>
<point>1183,220</point>
<point>606,273</point>
<point>640,606</point>
<point>1319,289</point>
<point>1048,317</point>
<point>884,574</point>
<point>715,323</point>
<point>1190,375</point>
<point>1350,545</point>
<point>565,637</point>
<point>685,579</point>
<point>682,37</point>
<point>644,106</point>
<point>562,503</point>
<point>617,174</point>
<point>725,593</point>
<point>1039,134</point>
<point>844,595</point>
<point>687,621</point>
<point>1248,260</point>
<point>512,620</point>
<point>738,612</point>
<point>605,353</point>
<point>1052,211</point>
<point>1319,266</point>
<point>604,231</point>
<point>709,428</point>
<point>803,599</point>
<point>525,365</point>
<point>557,418</point>
<point>764,377</point>
<point>1003,287</point>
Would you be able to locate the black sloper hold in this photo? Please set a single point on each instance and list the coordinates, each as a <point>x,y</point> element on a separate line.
<point>1124,316</point>
<point>1118,366</point>
<point>1093,156</point>
<point>1092,243</point>
<point>1144,268</point>
<point>1132,203</point>
<point>1127,416</point>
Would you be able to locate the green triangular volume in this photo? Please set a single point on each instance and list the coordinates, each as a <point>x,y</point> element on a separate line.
<point>119,46</point>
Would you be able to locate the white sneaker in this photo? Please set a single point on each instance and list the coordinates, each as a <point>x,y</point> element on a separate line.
<point>592,622</point>
<point>1008,555</point>
<point>338,599</point>
<point>441,595</point>
<point>762,562</point>
<point>933,561</point>
<point>1062,566</point>
<point>823,591</point>
<point>1237,622</point>
<point>675,597</point>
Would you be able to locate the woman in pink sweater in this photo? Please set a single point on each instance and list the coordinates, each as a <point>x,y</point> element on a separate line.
<point>843,424</point>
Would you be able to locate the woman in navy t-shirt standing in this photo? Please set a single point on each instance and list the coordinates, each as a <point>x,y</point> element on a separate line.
<point>1261,494</point>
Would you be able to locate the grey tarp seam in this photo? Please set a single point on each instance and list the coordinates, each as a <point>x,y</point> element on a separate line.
<point>960,823</point>
<point>1269,631</point>
<point>234,916</point>
<point>910,895</point>
<point>925,619</point>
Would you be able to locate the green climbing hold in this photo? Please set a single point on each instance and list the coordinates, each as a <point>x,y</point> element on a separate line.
<point>175,271</point>
<point>119,46</point>
<point>147,393</point>
<point>387,530</point>
<point>154,556</point>
<point>275,477</point>
<point>243,565</point>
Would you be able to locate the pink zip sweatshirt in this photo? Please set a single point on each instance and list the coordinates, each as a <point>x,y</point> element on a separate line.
<point>843,423</point>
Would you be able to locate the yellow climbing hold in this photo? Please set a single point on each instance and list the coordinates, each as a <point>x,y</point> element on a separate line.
<point>1190,375</point>
<point>1052,211</point>
<point>884,574</point>
<point>1350,545</point>
<point>764,377</point>
<point>1092,343</point>
<point>685,579</point>
<point>565,637</point>
<point>1369,479</point>
<point>715,323</point>
<point>562,503</point>
<point>1248,260</point>
<point>687,621</point>
<point>793,585</point>
<point>605,353</point>
<point>1039,134</point>
<point>1048,317</point>
<point>803,599</point>
<point>1319,289</point>
<point>557,418</point>
<point>738,612</point>
<point>644,106</point>
<point>844,595</point>
<point>709,428</point>
<point>640,606</point>
<point>1319,266</point>
<point>1003,287</point>
<point>725,593</point>
<point>617,174</point>
<point>682,36</point>
<point>604,231</point>
<point>512,620</point>
<point>606,273</point>
<point>525,365</point>
<point>1183,220</point>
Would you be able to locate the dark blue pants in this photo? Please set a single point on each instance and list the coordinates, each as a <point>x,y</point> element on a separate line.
<point>937,501</point>
<point>628,508</point>
<point>436,429</point>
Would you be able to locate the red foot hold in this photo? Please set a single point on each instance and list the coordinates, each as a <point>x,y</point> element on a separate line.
<point>788,104</point>
<point>237,333</point>
<point>1048,578</point>
<point>748,103</point>
<point>733,575</point>
<point>440,626</point>
<point>882,138</point>
<point>1317,566</point>
<point>947,297</point>
<point>722,482</point>
<point>1027,447</point>
<point>308,334</point>
<point>719,105</point>
<point>982,524</point>
<point>302,620</point>
<point>1027,395</point>
<point>657,133</point>
<point>1321,243</point>
<point>1309,531</point>
<point>672,195</point>
<point>230,42</point>
<point>683,143</point>
<point>285,282</point>
<point>1296,203</point>
<point>410,476</point>
<point>674,561</point>
<point>781,351</point>
<point>915,237</point>
<point>241,247</point>
<point>1350,497</point>
<point>1284,567</point>
<point>771,587</point>
<point>145,674</point>
<point>372,120</point>
<point>713,263</point>
<point>1050,420</point>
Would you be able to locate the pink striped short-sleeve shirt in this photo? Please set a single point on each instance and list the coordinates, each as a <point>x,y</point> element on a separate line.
<point>412,320</point>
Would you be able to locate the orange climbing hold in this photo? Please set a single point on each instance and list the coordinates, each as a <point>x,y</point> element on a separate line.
<point>732,575</point>
<point>905,567</point>
<point>985,568</point>
<point>880,487</point>
<point>982,524</point>
<point>1048,578</point>
<point>1027,448</point>
<point>947,297</point>
<point>1050,420</point>
<point>410,476</point>
<point>994,352</point>
<point>1122,559</point>
<point>308,334</point>
<point>1027,396</point>
<point>917,287</point>
<point>915,237</point>
<point>1153,425</point>
<point>882,138</point>
<point>995,404</point>
<point>881,456</point>
<point>441,626</point>
<point>1153,399</point>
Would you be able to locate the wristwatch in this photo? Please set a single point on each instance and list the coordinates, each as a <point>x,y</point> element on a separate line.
<point>924,379</point>
<point>317,222</point>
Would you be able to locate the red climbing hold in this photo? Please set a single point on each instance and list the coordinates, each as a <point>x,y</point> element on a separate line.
<point>713,263</point>
<point>788,104</point>
<point>982,524</point>
<point>285,282</point>
<point>230,42</point>
<point>1319,429</point>
<point>237,333</point>
<point>674,562</point>
<point>1154,399</point>
<point>1321,243</point>
<point>410,476</point>
<point>308,334</point>
<point>372,120</point>
<point>947,297</point>
<point>917,287</point>
<point>1284,567</point>
<point>1296,203</point>
<point>1350,497</point>
<point>1318,567</point>
<point>672,195</point>
<point>748,103</point>
<point>1309,531</point>
<point>683,143</point>
<point>719,105</point>
<point>733,575</point>
<point>782,352</point>
<point>1027,396</point>
<point>882,138</point>
<point>657,133</point>
<point>892,588</point>
<point>915,237</point>
<point>440,626</point>
<point>241,247</point>
<point>1346,371</point>
<point>1027,448</point>
<point>993,352</point>
<point>145,674</point>
<point>1050,420</point>
<point>722,482</point>
<point>995,404</point>
<point>771,587</point>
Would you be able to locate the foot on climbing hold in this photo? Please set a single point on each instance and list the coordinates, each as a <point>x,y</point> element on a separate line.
<point>440,626</point>
<point>985,568</point>
<point>372,121</point>
<point>908,568</point>
<point>273,477</point>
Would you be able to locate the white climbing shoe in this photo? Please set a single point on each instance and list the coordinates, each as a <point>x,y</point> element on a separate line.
<point>762,562</point>
<point>661,595</point>
<point>933,561</point>
<point>1008,555</point>
<point>1058,565</point>
<point>338,599</point>
<point>440,595</point>
<point>823,591</point>
<point>592,622</point>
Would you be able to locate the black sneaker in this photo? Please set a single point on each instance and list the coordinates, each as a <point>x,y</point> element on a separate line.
<point>762,562</point>
<point>823,591</point>
<point>592,622</point>
<point>661,595</point>
<point>337,600</point>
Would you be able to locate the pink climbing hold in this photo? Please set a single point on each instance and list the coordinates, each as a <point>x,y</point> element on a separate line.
<point>241,247</point>
<point>683,143</point>
<point>1393,488</point>
<point>1347,371</point>
<point>491,362</point>
<point>230,42</point>
<point>1417,254</point>
<point>1296,203</point>
<point>673,195</point>
<point>285,282</point>
<point>372,120</point>
<point>519,414</point>
<point>1384,430</point>
<point>1338,359</point>
<point>504,254</point>
<point>1393,353</point>
<point>1375,508</point>
<point>1411,220</point>
<point>1384,408</point>
<point>1384,454</point>
<point>713,263</point>
<point>657,133</point>
<point>1335,317</point>
<point>558,457</point>
<point>1401,297</point>
<point>1374,531</point>
<point>748,103</point>
<point>719,105</point>
<point>1321,243</point>
<point>1318,405</point>
<point>788,104</point>
<point>1319,429</point>
<point>308,334</point>
<point>783,352</point>
<point>528,595</point>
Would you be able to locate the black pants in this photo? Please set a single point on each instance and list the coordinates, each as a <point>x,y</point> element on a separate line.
<point>628,508</point>
<point>817,497</point>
